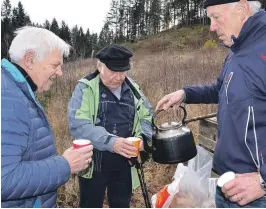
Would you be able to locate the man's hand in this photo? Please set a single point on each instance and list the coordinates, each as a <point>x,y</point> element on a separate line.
<point>175,98</point>
<point>78,159</point>
<point>244,189</point>
<point>124,147</point>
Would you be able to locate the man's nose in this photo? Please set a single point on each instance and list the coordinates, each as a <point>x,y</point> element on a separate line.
<point>59,71</point>
<point>213,26</point>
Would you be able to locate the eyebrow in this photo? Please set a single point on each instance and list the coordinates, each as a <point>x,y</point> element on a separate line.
<point>212,14</point>
<point>57,63</point>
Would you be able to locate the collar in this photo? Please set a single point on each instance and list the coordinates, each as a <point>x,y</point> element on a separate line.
<point>124,86</point>
<point>33,86</point>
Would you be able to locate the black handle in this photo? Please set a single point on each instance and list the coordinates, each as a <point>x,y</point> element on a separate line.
<point>147,148</point>
<point>159,111</point>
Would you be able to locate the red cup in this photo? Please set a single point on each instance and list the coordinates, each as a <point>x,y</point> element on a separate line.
<point>78,143</point>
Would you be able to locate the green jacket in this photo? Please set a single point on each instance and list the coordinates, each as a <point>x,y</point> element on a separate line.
<point>82,115</point>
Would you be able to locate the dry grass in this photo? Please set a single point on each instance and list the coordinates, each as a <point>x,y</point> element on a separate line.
<point>157,74</point>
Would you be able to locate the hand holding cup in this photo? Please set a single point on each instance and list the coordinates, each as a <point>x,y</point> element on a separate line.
<point>79,155</point>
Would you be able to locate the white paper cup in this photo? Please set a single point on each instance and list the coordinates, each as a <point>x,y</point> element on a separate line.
<point>226,177</point>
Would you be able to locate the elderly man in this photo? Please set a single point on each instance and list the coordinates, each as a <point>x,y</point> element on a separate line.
<point>107,107</point>
<point>31,170</point>
<point>240,91</point>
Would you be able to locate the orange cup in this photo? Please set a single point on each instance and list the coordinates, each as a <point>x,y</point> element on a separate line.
<point>78,143</point>
<point>136,143</point>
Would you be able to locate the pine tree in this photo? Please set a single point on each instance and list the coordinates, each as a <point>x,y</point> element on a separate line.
<point>155,15</point>
<point>64,32</point>
<point>6,9</point>
<point>94,42</point>
<point>47,25</point>
<point>22,18</point>
<point>88,44</point>
<point>167,18</point>
<point>6,26</point>
<point>113,18</point>
<point>105,37</point>
<point>54,27</point>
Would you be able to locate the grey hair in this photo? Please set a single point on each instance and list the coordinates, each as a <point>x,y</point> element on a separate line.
<point>39,40</point>
<point>254,6</point>
<point>101,65</point>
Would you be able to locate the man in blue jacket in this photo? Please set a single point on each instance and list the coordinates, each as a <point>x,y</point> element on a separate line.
<point>240,91</point>
<point>31,171</point>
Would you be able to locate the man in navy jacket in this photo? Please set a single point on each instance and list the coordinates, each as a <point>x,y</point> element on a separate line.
<point>240,91</point>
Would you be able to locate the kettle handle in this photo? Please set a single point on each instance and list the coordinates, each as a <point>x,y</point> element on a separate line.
<point>185,115</point>
<point>159,111</point>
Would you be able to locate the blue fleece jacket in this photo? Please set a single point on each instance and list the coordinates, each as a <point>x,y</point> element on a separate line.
<point>240,91</point>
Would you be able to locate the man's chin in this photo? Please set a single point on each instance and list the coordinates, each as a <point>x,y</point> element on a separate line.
<point>43,89</point>
<point>39,91</point>
<point>227,43</point>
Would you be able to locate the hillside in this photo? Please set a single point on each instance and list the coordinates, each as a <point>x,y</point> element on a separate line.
<point>175,39</point>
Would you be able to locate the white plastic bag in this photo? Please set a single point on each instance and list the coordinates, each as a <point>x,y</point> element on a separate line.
<point>192,185</point>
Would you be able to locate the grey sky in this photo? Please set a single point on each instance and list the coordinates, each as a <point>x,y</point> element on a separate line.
<point>86,13</point>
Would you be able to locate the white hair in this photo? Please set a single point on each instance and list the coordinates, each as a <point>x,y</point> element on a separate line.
<point>254,6</point>
<point>39,40</point>
<point>101,65</point>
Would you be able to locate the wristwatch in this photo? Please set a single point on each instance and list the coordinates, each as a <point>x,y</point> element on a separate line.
<point>262,183</point>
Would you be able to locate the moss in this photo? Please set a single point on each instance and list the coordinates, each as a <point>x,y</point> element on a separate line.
<point>210,44</point>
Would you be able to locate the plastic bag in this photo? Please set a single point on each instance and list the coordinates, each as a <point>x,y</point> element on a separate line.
<point>191,186</point>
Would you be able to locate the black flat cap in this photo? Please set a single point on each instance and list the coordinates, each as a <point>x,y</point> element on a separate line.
<point>115,57</point>
<point>208,3</point>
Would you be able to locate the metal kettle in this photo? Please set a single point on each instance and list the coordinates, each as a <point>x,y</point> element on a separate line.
<point>172,142</point>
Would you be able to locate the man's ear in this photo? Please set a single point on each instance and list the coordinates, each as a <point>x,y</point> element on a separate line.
<point>99,66</point>
<point>243,9</point>
<point>29,59</point>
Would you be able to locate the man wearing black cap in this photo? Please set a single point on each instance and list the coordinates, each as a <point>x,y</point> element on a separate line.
<point>107,107</point>
<point>240,91</point>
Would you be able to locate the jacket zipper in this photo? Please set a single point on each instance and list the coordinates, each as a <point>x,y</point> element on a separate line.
<point>227,85</point>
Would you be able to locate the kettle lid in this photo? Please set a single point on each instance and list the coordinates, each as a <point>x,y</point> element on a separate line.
<point>170,126</point>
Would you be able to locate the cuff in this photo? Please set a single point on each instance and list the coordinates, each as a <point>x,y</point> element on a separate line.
<point>185,96</point>
<point>110,143</point>
<point>65,169</point>
<point>263,172</point>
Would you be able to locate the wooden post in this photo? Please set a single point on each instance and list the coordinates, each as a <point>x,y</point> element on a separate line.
<point>208,136</point>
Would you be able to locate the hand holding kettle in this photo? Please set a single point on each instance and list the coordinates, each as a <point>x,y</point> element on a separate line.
<point>175,98</point>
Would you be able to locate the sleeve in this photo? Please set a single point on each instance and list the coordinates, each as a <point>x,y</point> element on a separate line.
<point>205,94</point>
<point>81,122</point>
<point>23,179</point>
<point>146,119</point>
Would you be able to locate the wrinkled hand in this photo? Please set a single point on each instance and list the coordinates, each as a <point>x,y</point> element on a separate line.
<point>175,98</point>
<point>124,147</point>
<point>78,159</point>
<point>244,189</point>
